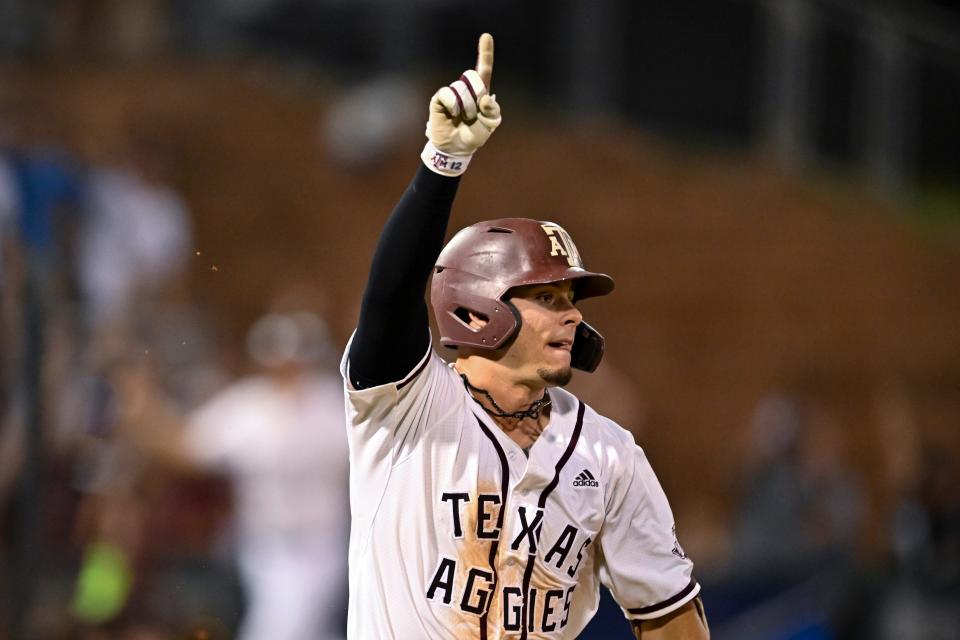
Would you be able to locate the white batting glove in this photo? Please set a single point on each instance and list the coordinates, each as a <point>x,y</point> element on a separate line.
<point>463,115</point>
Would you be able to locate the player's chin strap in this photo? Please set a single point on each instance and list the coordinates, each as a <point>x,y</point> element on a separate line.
<point>533,411</point>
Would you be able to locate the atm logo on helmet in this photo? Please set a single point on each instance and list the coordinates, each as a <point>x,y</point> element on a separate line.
<point>561,244</point>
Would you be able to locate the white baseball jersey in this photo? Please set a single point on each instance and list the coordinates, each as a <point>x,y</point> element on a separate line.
<point>457,534</point>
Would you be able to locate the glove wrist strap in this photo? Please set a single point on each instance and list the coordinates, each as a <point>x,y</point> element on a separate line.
<point>444,163</point>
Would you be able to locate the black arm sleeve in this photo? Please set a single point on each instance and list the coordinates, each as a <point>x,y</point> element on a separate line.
<point>393,331</point>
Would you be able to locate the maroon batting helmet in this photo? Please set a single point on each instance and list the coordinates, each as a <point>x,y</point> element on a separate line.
<point>482,262</point>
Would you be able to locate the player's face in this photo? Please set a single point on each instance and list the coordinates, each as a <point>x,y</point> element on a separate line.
<point>541,350</point>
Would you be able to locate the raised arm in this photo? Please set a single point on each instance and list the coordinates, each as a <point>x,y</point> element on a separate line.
<point>393,331</point>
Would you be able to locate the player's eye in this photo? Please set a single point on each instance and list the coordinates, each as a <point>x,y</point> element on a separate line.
<point>545,297</point>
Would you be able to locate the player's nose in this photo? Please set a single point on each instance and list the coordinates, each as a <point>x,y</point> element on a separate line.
<point>570,314</point>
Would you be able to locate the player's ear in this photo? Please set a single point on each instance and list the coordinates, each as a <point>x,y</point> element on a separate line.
<point>477,321</point>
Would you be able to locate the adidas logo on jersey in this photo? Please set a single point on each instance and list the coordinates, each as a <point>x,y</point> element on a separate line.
<point>585,479</point>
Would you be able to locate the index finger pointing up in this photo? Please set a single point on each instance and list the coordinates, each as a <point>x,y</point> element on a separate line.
<point>485,59</point>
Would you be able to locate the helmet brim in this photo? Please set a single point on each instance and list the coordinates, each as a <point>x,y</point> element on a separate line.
<point>592,285</point>
<point>586,284</point>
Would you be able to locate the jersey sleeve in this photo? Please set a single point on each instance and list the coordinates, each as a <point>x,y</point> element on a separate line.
<point>390,418</point>
<point>642,561</point>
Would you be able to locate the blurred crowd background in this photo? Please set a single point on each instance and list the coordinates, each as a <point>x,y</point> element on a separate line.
<point>189,196</point>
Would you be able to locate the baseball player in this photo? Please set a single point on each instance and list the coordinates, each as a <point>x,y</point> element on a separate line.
<point>487,502</point>
<point>275,436</point>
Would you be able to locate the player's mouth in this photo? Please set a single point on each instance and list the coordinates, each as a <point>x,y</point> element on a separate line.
<point>562,345</point>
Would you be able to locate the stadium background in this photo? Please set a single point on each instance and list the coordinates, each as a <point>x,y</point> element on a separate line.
<point>774,186</point>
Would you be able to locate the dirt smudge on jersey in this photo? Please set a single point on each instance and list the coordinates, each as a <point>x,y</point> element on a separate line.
<point>474,553</point>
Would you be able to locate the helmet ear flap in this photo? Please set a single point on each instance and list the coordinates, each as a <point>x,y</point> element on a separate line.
<point>502,321</point>
<point>587,350</point>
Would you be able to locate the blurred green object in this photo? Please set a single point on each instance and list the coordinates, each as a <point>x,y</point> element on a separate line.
<point>103,584</point>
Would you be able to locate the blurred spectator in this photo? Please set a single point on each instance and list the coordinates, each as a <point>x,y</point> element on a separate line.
<point>922,600</point>
<point>142,537</point>
<point>919,595</point>
<point>800,508</point>
<point>49,191</point>
<point>10,278</point>
<point>53,421</point>
<point>279,437</point>
<point>9,206</point>
<point>135,240</point>
<point>40,190</point>
<point>797,524</point>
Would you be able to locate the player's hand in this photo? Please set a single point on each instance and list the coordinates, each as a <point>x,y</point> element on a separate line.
<point>463,115</point>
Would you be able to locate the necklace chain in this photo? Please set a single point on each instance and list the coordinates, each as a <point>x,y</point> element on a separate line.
<point>533,411</point>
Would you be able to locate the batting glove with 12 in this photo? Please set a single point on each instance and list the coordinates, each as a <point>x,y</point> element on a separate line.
<point>463,115</point>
